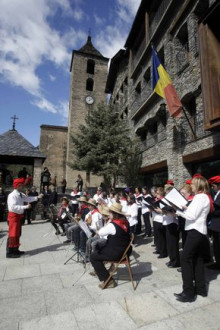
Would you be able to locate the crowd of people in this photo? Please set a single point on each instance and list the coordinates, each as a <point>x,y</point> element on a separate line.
<point>112,219</point>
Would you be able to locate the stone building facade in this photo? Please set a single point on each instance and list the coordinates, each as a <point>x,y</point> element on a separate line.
<point>53,144</point>
<point>178,30</point>
<point>88,79</point>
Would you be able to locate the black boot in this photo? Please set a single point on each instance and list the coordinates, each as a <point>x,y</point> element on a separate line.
<point>12,253</point>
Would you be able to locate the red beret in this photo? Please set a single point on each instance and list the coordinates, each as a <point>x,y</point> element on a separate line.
<point>214,179</point>
<point>189,181</point>
<point>170,182</point>
<point>18,182</point>
<point>197,175</point>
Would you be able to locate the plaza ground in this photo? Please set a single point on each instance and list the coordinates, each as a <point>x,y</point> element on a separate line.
<point>37,291</point>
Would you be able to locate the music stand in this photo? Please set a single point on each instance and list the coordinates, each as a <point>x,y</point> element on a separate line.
<point>79,256</point>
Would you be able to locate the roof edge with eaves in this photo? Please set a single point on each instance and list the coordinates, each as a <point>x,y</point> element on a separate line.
<point>113,70</point>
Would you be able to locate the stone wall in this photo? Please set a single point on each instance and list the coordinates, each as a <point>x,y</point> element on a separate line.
<point>53,143</point>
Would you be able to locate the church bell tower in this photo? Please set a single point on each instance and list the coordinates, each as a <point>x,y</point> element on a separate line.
<point>88,79</point>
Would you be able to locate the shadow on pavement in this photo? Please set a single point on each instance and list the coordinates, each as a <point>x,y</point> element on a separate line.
<point>139,271</point>
<point>44,249</point>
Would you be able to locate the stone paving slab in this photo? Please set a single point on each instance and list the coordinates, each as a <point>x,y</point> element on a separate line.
<point>9,289</point>
<point>23,307</point>
<point>103,316</point>
<point>65,320</point>
<point>146,308</point>
<point>41,284</point>
<point>67,299</point>
<point>17,272</point>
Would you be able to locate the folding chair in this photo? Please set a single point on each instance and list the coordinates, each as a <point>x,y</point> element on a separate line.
<point>125,260</point>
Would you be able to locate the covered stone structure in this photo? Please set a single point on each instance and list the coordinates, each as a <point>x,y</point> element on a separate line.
<point>15,154</point>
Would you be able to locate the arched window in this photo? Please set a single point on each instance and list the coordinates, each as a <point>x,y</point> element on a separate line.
<point>89,84</point>
<point>90,66</point>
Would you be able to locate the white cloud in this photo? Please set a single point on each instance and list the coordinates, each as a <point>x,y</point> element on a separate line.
<point>113,37</point>
<point>99,20</point>
<point>45,105</point>
<point>27,40</point>
<point>51,77</point>
<point>78,14</point>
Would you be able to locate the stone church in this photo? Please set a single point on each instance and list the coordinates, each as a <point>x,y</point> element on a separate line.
<point>88,70</point>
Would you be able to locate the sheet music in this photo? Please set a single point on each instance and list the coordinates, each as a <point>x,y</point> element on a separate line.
<point>175,198</point>
<point>165,202</point>
<point>85,228</point>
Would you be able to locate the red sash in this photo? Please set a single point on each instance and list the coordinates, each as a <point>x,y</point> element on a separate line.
<point>14,234</point>
<point>123,223</point>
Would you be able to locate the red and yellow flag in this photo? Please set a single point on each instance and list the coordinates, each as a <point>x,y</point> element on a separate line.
<point>163,86</point>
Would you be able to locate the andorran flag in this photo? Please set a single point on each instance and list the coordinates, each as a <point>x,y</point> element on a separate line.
<point>163,86</point>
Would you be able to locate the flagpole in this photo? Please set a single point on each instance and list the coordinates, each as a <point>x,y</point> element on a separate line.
<point>190,125</point>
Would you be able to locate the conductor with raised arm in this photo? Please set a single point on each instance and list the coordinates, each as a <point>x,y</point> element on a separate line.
<point>16,209</point>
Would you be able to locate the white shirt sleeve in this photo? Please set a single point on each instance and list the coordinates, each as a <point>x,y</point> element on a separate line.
<point>29,199</point>
<point>13,205</point>
<point>195,208</point>
<point>109,229</point>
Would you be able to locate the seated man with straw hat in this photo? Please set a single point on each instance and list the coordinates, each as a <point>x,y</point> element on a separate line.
<point>93,218</point>
<point>118,239</point>
<point>96,242</point>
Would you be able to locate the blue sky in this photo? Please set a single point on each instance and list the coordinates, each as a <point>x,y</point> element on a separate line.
<point>37,38</point>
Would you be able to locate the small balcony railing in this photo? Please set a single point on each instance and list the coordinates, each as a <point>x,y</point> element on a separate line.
<point>139,99</point>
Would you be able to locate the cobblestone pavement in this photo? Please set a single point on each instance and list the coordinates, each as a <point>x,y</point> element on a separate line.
<point>39,292</point>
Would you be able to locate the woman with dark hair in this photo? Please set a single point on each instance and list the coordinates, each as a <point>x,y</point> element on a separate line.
<point>193,273</point>
<point>159,229</point>
<point>146,212</point>
<point>117,241</point>
<point>138,197</point>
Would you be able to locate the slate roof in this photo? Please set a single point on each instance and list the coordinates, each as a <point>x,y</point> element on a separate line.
<point>14,144</point>
<point>88,48</point>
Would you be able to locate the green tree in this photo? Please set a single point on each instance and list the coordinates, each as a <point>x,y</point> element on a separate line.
<point>131,164</point>
<point>102,144</point>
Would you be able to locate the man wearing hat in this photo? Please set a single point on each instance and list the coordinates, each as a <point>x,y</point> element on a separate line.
<point>16,209</point>
<point>215,221</point>
<point>118,239</point>
<point>93,218</point>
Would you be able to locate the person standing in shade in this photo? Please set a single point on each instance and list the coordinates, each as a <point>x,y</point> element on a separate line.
<point>2,204</point>
<point>192,262</point>
<point>63,185</point>
<point>45,178</point>
<point>215,221</point>
<point>16,209</point>
<point>79,182</point>
<point>138,197</point>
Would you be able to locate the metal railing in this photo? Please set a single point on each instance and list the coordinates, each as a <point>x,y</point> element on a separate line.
<point>139,99</point>
<point>139,52</point>
<point>159,14</point>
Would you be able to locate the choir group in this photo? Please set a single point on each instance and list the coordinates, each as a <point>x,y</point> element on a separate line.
<point>101,228</point>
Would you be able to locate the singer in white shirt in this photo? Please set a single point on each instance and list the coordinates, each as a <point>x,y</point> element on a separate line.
<point>193,253</point>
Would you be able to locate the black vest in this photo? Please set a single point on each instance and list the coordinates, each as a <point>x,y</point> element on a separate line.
<point>116,244</point>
